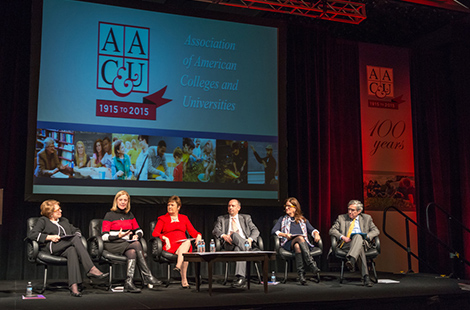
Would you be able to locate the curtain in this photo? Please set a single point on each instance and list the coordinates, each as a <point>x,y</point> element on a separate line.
<point>440,89</point>
<point>324,129</point>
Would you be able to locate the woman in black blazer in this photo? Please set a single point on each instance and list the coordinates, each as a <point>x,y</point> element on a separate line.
<point>57,236</point>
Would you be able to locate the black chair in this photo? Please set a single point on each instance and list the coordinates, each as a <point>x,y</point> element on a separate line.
<point>100,255</point>
<point>288,256</point>
<point>259,247</point>
<point>159,255</point>
<point>371,254</point>
<point>35,255</point>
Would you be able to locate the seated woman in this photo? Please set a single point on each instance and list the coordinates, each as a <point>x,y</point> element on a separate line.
<point>57,236</point>
<point>48,162</point>
<point>171,229</point>
<point>121,235</point>
<point>292,229</point>
<point>121,165</point>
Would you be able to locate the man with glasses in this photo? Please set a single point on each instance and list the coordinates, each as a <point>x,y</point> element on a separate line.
<point>233,230</point>
<point>352,230</point>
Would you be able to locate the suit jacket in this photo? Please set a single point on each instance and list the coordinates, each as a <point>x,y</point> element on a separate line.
<point>45,227</point>
<point>341,226</point>
<point>246,225</point>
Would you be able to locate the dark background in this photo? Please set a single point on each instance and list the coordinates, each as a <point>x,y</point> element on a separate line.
<point>322,110</point>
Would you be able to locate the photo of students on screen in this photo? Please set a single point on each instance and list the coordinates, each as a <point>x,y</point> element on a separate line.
<point>262,167</point>
<point>157,166</point>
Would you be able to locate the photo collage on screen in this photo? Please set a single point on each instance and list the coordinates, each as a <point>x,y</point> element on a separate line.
<point>139,157</point>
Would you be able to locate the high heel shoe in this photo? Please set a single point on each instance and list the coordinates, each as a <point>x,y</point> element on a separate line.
<point>74,288</point>
<point>177,269</point>
<point>185,286</point>
<point>99,277</point>
<point>75,294</point>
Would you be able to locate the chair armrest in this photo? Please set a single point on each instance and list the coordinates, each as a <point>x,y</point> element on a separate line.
<point>218,244</point>
<point>156,247</point>
<point>260,243</point>
<point>320,244</point>
<point>32,250</point>
<point>334,243</point>
<point>95,247</point>
<point>376,241</point>
<point>277,243</point>
<point>143,242</point>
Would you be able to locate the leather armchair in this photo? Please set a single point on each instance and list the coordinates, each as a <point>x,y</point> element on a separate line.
<point>159,255</point>
<point>35,255</point>
<point>371,254</point>
<point>100,255</point>
<point>288,256</point>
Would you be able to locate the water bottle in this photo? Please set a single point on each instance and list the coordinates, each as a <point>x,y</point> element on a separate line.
<point>247,245</point>
<point>273,277</point>
<point>29,289</point>
<point>203,246</point>
<point>212,246</point>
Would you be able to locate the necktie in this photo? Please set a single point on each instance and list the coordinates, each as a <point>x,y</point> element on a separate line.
<point>234,225</point>
<point>351,227</point>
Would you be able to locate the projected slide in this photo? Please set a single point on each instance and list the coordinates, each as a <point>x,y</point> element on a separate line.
<point>155,103</point>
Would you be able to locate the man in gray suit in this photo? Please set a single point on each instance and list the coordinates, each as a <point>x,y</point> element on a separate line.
<point>353,230</point>
<point>233,230</point>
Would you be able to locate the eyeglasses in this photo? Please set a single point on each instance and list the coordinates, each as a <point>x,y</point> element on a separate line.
<point>58,210</point>
<point>352,209</point>
<point>291,206</point>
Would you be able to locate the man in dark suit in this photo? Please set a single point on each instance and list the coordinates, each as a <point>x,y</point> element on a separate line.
<point>353,230</point>
<point>233,230</point>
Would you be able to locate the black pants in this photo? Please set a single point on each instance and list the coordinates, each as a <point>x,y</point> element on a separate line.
<point>74,250</point>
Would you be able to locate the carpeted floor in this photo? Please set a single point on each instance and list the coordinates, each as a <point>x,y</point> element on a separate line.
<point>414,291</point>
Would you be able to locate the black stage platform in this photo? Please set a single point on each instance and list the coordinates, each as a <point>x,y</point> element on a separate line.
<point>414,291</point>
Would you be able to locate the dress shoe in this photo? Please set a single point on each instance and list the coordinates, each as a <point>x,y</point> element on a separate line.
<point>75,294</point>
<point>350,264</point>
<point>96,276</point>
<point>302,279</point>
<point>239,283</point>
<point>367,281</point>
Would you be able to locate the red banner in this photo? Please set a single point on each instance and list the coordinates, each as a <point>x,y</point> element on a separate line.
<point>146,110</point>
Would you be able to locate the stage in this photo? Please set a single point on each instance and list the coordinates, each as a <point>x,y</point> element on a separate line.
<point>414,291</point>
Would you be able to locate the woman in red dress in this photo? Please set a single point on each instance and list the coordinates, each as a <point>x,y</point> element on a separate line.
<point>171,229</point>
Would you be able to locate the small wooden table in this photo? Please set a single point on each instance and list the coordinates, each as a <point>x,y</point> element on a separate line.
<point>230,256</point>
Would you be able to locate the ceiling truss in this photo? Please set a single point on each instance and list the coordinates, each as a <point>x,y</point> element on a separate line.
<point>339,11</point>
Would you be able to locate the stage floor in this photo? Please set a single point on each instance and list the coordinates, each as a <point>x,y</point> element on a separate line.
<point>414,291</point>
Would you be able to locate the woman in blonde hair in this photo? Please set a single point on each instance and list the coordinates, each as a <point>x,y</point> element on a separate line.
<point>293,229</point>
<point>121,234</point>
<point>57,236</point>
<point>81,158</point>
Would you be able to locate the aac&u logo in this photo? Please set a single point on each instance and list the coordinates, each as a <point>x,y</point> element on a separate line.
<point>123,58</point>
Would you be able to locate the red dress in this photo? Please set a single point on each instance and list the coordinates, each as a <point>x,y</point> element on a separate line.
<point>174,231</point>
